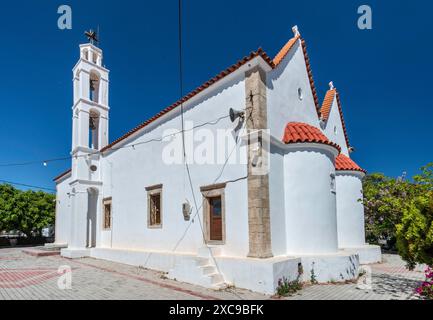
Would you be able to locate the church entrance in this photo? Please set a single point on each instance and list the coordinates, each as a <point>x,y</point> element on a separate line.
<point>92,205</point>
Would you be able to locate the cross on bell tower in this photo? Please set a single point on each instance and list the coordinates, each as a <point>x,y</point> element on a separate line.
<point>92,36</point>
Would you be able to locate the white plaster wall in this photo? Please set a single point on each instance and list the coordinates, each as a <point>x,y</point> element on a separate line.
<point>283,103</point>
<point>311,222</point>
<point>334,128</point>
<point>63,212</point>
<point>276,201</point>
<point>127,172</point>
<point>350,211</point>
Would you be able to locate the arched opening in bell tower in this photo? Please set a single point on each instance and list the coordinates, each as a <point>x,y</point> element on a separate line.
<point>94,84</point>
<point>94,123</point>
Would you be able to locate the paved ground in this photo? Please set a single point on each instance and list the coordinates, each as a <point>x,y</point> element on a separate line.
<point>26,277</point>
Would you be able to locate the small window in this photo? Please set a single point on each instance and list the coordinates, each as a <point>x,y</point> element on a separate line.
<point>335,130</point>
<point>107,214</point>
<point>300,94</point>
<point>154,211</point>
<point>333,187</point>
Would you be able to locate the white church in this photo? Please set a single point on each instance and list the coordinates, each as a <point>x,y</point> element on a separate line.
<point>282,200</point>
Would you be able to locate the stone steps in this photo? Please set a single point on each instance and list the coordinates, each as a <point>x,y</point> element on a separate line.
<point>199,270</point>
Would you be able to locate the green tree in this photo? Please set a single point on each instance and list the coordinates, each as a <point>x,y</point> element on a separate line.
<point>25,211</point>
<point>7,194</point>
<point>415,231</point>
<point>384,202</point>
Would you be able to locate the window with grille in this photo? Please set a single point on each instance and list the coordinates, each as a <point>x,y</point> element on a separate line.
<point>154,214</point>
<point>107,214</point>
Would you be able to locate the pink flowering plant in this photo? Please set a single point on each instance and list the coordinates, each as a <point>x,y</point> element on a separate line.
<point>426,288</point>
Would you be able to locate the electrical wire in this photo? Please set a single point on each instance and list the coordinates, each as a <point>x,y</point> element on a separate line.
<point>26,185</point>
<point>132,145</point>
<point>183,141</point>
<point>19,164</point>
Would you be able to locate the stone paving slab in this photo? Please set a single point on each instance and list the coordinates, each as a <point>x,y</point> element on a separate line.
<point>25,277</point>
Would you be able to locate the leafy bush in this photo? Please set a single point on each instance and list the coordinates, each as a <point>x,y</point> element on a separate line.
<point>415,232</point>
<point>401,211</point>
<point>384,202</point>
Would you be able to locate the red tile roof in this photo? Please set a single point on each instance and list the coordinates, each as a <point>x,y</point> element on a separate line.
<point>221,75</point>
<point>297,132</point>
<point>327,104</point>
<point>344,163</point>
<point>62,175</point>
<point>285,50</point>
<point>326,110</point>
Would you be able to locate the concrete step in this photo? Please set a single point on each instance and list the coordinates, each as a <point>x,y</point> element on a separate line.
<point>199,270</point>
<point>35,252</point>
<point>56,245</point>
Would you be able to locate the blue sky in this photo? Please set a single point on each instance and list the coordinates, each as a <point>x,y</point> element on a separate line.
<point>383,75</point>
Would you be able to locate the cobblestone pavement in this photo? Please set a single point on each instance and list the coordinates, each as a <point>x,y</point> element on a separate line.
<point>27,277</point>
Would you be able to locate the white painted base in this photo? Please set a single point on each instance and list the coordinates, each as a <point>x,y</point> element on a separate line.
<point>368,254</point>
<point>75,253</point>
<point>338,267</point>
<point>156,260</point>
<point>259,275</point>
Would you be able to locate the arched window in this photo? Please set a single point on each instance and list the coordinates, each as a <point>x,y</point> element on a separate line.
<point>94,85</point>
<point>86,54</point>
<point>94,120</point>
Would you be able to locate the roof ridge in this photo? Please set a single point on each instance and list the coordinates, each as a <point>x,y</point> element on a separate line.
<point>310,76</point>
<point>326,110</point>
<point>285,50</point>
<point>327,103</point>
<point>62,174</point>
<point>259,53</point>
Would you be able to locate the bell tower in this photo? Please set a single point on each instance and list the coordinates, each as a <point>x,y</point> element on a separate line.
<point>90,112</point>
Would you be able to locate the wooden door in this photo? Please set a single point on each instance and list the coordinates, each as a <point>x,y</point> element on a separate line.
<point>215,219</point>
